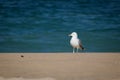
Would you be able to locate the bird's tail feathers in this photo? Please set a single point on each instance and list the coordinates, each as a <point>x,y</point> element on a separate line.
<point>81,47</point>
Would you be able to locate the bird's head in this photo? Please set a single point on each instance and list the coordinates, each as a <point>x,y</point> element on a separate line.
<point>73,34</point>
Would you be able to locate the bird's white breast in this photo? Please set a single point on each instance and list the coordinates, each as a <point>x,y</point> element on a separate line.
<point>74,42</point>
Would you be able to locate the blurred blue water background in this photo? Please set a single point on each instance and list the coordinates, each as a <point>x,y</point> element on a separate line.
<point>44,25</point>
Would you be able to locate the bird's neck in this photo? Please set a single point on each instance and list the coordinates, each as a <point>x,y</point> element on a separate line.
<point>74,37</point>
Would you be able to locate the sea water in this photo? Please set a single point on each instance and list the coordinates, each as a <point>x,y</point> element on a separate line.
<point>44,25</point>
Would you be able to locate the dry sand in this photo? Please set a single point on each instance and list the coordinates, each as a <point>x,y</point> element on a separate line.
<point>60,66</point>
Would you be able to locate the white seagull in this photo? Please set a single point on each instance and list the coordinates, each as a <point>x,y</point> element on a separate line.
<point>75,42</point>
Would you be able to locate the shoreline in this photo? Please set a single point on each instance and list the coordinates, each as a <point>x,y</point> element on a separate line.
<point>60,66</point>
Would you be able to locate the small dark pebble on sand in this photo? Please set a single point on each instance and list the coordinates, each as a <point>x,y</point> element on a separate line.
<point>22,56</point>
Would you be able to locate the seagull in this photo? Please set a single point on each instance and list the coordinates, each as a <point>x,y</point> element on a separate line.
<point>75,42</point>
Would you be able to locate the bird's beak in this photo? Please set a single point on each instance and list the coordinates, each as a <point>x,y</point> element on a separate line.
<point>69,35</point>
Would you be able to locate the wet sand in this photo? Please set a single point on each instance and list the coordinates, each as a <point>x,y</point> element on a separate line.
<point>60,66</point>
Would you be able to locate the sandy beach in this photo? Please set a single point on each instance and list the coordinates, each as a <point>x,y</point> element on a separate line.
<point>60,66</point>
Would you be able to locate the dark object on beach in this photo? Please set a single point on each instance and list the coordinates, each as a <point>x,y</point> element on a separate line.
<point>22,56</point>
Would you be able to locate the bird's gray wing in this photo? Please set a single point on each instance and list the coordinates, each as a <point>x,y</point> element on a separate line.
<point>80,45</point>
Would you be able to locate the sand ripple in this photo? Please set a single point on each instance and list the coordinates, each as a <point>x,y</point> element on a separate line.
<point>47,78</point>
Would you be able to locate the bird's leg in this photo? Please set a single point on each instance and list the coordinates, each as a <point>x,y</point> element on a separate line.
<point>73,50</point>
<point>77,50</point>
